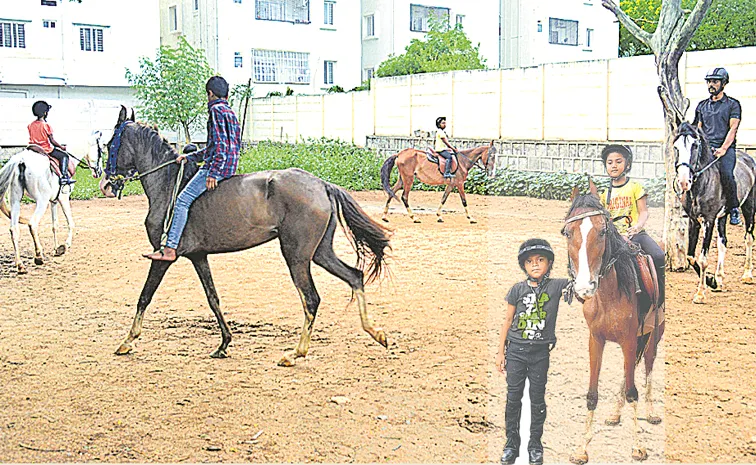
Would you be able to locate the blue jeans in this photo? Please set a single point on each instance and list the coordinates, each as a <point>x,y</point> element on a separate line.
<point>196,186</point>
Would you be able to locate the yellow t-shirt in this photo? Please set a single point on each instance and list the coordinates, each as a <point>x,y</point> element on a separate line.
<point>624,202</point>
<point>440,145</point>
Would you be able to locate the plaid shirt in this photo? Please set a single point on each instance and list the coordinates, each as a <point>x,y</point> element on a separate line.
<point>221,155</point>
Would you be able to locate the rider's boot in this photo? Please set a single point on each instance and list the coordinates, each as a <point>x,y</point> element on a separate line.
<point>65,179</point>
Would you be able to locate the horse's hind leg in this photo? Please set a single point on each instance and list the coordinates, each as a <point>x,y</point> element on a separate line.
<point>649,358</point>
<point>397,187</point>
<point>748,215</point>
<point>155,276</point>
<point>405,195</point>
<point>15,198</point>
<point>65,205</point>
<point>326,258</point>
<point>447,191</point>
<point>721,252</point>
<point>202,267</point>
<point>36,217</point>
<point>54,218</point>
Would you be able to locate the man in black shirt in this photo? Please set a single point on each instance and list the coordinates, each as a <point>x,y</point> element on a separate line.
<point>719,117</point>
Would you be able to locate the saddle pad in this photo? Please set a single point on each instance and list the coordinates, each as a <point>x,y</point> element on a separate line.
<point>55,166</point>
<point>649,321</point>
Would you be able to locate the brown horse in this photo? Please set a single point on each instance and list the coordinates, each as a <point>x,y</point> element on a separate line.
<point>413,163</point>
<point>601,265</point>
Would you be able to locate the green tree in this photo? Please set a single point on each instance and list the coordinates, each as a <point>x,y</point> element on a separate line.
<point>171,88</point>
<point>728,23</point>
<point>442,49</point>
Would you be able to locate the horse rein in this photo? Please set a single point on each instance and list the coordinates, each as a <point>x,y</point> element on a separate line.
<point>605,267</point>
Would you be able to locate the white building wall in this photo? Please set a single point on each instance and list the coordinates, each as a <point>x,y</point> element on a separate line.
<point>393,33</point>
<point>224,28</point>
<point>525,34</point>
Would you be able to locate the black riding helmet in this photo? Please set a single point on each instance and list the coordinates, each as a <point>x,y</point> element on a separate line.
<point>438,121</point>
<point>40,108</point>
<point>535,246</point>
<point>719,73</point>
<point>623,150</point>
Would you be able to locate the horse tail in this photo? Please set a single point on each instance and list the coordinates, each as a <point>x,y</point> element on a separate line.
<point>15,168</point>
<point>388,165</point>
<point>643,345</point>
<point>369,239</point>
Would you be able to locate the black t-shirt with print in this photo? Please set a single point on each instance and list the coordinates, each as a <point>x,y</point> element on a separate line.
<point>715,118</point>
<point>535,311</point>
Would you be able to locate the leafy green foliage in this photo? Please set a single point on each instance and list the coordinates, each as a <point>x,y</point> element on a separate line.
<point>239,94</point>
<point>171,88</point>
<point>335,90</point>
<point>364,86</point>
<point>728,23</point>
<point>443,49</point>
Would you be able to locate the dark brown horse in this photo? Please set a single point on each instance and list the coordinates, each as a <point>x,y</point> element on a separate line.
<point>245,211</point>
<point>414,163</point>
<point>601,265</point>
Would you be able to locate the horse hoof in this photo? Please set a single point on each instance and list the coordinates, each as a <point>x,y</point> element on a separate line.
<point>653,419</point>
<point>579,459</point>
<point>473,221</point>
<point>440,220</point>
<point>220,353</point>
<point>640,454</point>
<point>22,269</point>
<point>416,221</point>
<point>613,421</point>
<point>286,361</point>
<point>380,337</point>
<point>385,219</point>
<point>38,261</point>
<point>747,280</point>
<point>60,250</point>
<point>699,299</point>
<point>124,349</point>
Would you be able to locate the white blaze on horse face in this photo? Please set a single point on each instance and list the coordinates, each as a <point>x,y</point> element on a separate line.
<point>684,146</point>
<point>584,286</point>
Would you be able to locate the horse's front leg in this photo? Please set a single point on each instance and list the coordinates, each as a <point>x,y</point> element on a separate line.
<point>461,189</point>
<point>703,263</point>
<point>155,276</point>
<point>447,191</point>
<point>596,351</point>
<point>65,205</point>
<point>631,391</point>
<point>54,218</point>
<point>721,251</point>
<point>748,216</point>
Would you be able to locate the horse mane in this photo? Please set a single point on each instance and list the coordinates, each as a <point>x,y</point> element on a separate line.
<point>616,246</point>
<point>160,148</point>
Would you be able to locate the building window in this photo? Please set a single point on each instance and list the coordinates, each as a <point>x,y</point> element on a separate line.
<point>238,61</point>
<point>196,5</point>
<point>328,72</point>
<point>460,20</point>
<point>368,74</point>
<point>328,13</point>
<point>588,34</point>
<point>291,11</point>
<point>238,1</point>
<point>90,39</point>
<point>173,19</point>
<point>370,26</point>
<point>49,2</point>
<point>563,31</point>
<point>272,66</point>
<point>12,35</point>
<point>48,24</point>
<point>540,26</point>
<point>420,17</point>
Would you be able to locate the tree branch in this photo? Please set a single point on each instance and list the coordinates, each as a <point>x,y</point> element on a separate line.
<point>629,24</point>
<point>692,23</point>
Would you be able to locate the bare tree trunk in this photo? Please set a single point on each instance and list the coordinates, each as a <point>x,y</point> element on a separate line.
<point>668,42</point>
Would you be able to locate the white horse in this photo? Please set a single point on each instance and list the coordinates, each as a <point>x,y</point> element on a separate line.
<point>30,172</point>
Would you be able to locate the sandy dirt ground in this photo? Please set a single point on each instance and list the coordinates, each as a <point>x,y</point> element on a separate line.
<point>432,396</point>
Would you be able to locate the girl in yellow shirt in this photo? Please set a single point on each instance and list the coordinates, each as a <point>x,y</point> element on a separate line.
<point>626,201</point>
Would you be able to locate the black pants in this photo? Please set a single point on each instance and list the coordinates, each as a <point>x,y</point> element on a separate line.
<point>727,176</point>
<point>448,155</point>
<point>531,362</point>
<point>62,157</point>
<point>649,246</point>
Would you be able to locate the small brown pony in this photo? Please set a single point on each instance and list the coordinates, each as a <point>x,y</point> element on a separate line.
<point>413,163</point>
<point>601,265</point>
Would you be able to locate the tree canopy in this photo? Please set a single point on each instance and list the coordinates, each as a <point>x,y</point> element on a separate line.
<point>728,23</point>
<point>443,49</point>
<point>171,88</point>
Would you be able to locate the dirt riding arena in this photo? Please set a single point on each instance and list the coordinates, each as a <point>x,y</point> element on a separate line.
<point>431,397</point>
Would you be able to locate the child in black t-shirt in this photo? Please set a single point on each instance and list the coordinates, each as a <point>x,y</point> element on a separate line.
<point>527,336</point>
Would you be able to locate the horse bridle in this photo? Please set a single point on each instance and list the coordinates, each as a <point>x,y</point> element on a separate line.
<point>605,267</point>
<point>477,161</point>
<point>694,172</point>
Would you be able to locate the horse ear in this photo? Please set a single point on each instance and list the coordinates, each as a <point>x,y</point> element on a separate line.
<point>575,193</point>
<point>122,115</point>
<point>133,116</point>
<point>592,187</point>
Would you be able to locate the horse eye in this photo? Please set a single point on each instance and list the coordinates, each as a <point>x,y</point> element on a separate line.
<point>565,233</point>
<point>603,232</point>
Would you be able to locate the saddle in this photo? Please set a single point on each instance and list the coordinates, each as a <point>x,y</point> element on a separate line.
<point>54,163</point>
<point>440,161</point>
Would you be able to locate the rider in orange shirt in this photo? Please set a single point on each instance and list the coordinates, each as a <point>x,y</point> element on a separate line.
<point>41,134</point>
